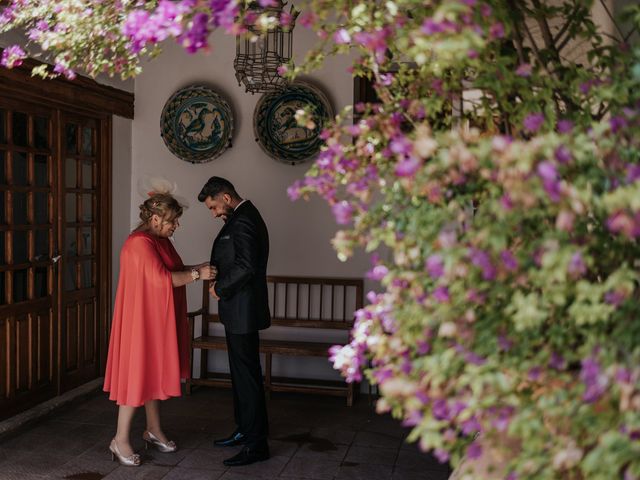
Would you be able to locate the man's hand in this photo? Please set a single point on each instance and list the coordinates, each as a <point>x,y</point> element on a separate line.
<point>212,291</point>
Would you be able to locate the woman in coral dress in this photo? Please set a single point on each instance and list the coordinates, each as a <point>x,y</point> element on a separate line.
<point>148,349</point>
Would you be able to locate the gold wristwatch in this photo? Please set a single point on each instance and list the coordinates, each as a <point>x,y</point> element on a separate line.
<point>194,274</point>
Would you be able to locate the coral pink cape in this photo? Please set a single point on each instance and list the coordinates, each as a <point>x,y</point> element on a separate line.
<point>148,349</point>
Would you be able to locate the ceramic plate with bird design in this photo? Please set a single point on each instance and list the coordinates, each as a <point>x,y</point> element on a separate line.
<point>277,130</point>
<point>196,124</point>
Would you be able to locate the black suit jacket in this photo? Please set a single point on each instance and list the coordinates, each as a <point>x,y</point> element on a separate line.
<point>240,253</point>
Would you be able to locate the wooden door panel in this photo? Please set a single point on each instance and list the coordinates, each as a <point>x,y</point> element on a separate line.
<point>80,229</point>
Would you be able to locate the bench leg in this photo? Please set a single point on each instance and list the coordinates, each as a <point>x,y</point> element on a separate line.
<point>267,374</point>
<point>350,395</point>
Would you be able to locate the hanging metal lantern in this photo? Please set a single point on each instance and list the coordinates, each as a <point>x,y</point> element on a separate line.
<point>261,53</point>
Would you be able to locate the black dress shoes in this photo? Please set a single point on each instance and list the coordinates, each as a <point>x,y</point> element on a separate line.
<point>236,438</point>
<point>247,456</point>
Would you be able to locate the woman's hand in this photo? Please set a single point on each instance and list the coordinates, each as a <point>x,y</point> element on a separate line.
<point>207,272</point>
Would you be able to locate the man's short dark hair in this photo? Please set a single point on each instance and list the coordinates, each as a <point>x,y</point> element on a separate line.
<point>216,186</point>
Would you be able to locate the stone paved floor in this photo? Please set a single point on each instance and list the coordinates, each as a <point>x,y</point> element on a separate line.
<point>311,438</point>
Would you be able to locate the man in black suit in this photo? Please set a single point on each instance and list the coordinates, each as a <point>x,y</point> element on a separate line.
<point>240,253</point>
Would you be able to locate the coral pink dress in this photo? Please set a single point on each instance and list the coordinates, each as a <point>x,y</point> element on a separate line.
<point>148,349</point>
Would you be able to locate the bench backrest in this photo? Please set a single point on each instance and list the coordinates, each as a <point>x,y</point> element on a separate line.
<point>309,302</point>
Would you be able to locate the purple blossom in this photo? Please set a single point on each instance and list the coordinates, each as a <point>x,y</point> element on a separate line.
<point>343,211</point>
<point>595,381</point>
<point>441,294</point>
<point>563,154</point>
<point>293,192</point>
<point>377,273</point>
<point>341,36</point>
<point>504,343</point>
<point>576,268</point>
<point>623,375</point>
<point>435,265</point>
<point>615,297</point>
<point>195,38</point>
<point>441,454</point>
<point>524,70</point>
<point>431,27</point>
<point>267,3</point>
<point>508,260</point>
<point>407,167</point>
<point>401,145</point>
<point>474,451</point>
<point>423,347</point>
<point>382,374</point>
<point>474,359</point>
<point>412,418</point>
<point>471,426</point>
<point>533,122</point>
<point>12,56</point>
<point>547,171</point>
<point>557,361</point>
<point>481,259</point>
<point>496,30</point>
<point>633,172</point>
<point>505,202</point>
<point>534,373</point>
<point>565,126</point>
<point>617,123</point>
<point>440,409</point>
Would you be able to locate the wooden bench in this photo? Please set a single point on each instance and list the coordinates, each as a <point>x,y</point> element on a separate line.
<point>294,302</point>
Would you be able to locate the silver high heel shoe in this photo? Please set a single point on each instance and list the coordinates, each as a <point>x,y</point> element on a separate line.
<point>130,461</point>
<point>151,440</point>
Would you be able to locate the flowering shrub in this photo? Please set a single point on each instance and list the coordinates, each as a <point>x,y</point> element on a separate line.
<point>496,182</point>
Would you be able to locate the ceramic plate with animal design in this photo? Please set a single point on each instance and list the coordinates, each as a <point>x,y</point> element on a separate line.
<point>196,124</point>
<point>276,128</point>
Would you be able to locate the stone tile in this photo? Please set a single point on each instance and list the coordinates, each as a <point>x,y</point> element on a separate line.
<point>335,435</point>
<point>40,463</point>
<point>311,453</point>
<point>270,468</point>
<point>420,461</point>
<point>84,469</point>
<point>22,476</point>
<point>207,459</point>
<point>180,473</point>
<point>358,471</point>
<point>298,468</point>
<point>143,472</point>
<point>233,475</point>
<point>374,439</point>
<point>278,448</point>
<point>26,442</point>
<point>371,455</point>
<point>154,457</point>
<point>402,474</point>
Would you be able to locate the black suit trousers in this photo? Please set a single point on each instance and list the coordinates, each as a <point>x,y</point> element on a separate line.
<point>248,388</point>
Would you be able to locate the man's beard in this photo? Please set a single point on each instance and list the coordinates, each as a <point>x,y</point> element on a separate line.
<point>228,213</point>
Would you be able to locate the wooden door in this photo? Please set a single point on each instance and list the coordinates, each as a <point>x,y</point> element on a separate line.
<point>54,251</point>
<point>28,249</point>
<point>81,229</point>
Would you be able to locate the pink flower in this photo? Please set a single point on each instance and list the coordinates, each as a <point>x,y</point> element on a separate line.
<point>12,56</point>
<point>533,122</point>
<point>435,266</point>
<point>341,37</point>
<point>343,212</point>
<point>407,167</point>
<point>524,70</point>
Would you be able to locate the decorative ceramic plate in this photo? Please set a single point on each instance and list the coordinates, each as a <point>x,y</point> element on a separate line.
<point>196,124</point>
<point>275,126</point>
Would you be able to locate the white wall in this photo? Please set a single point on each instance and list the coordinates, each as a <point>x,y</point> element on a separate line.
<point>121,193</point>
<point>300,231</point>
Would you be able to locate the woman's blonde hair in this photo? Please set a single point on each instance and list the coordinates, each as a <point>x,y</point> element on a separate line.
<point>162,204</point>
